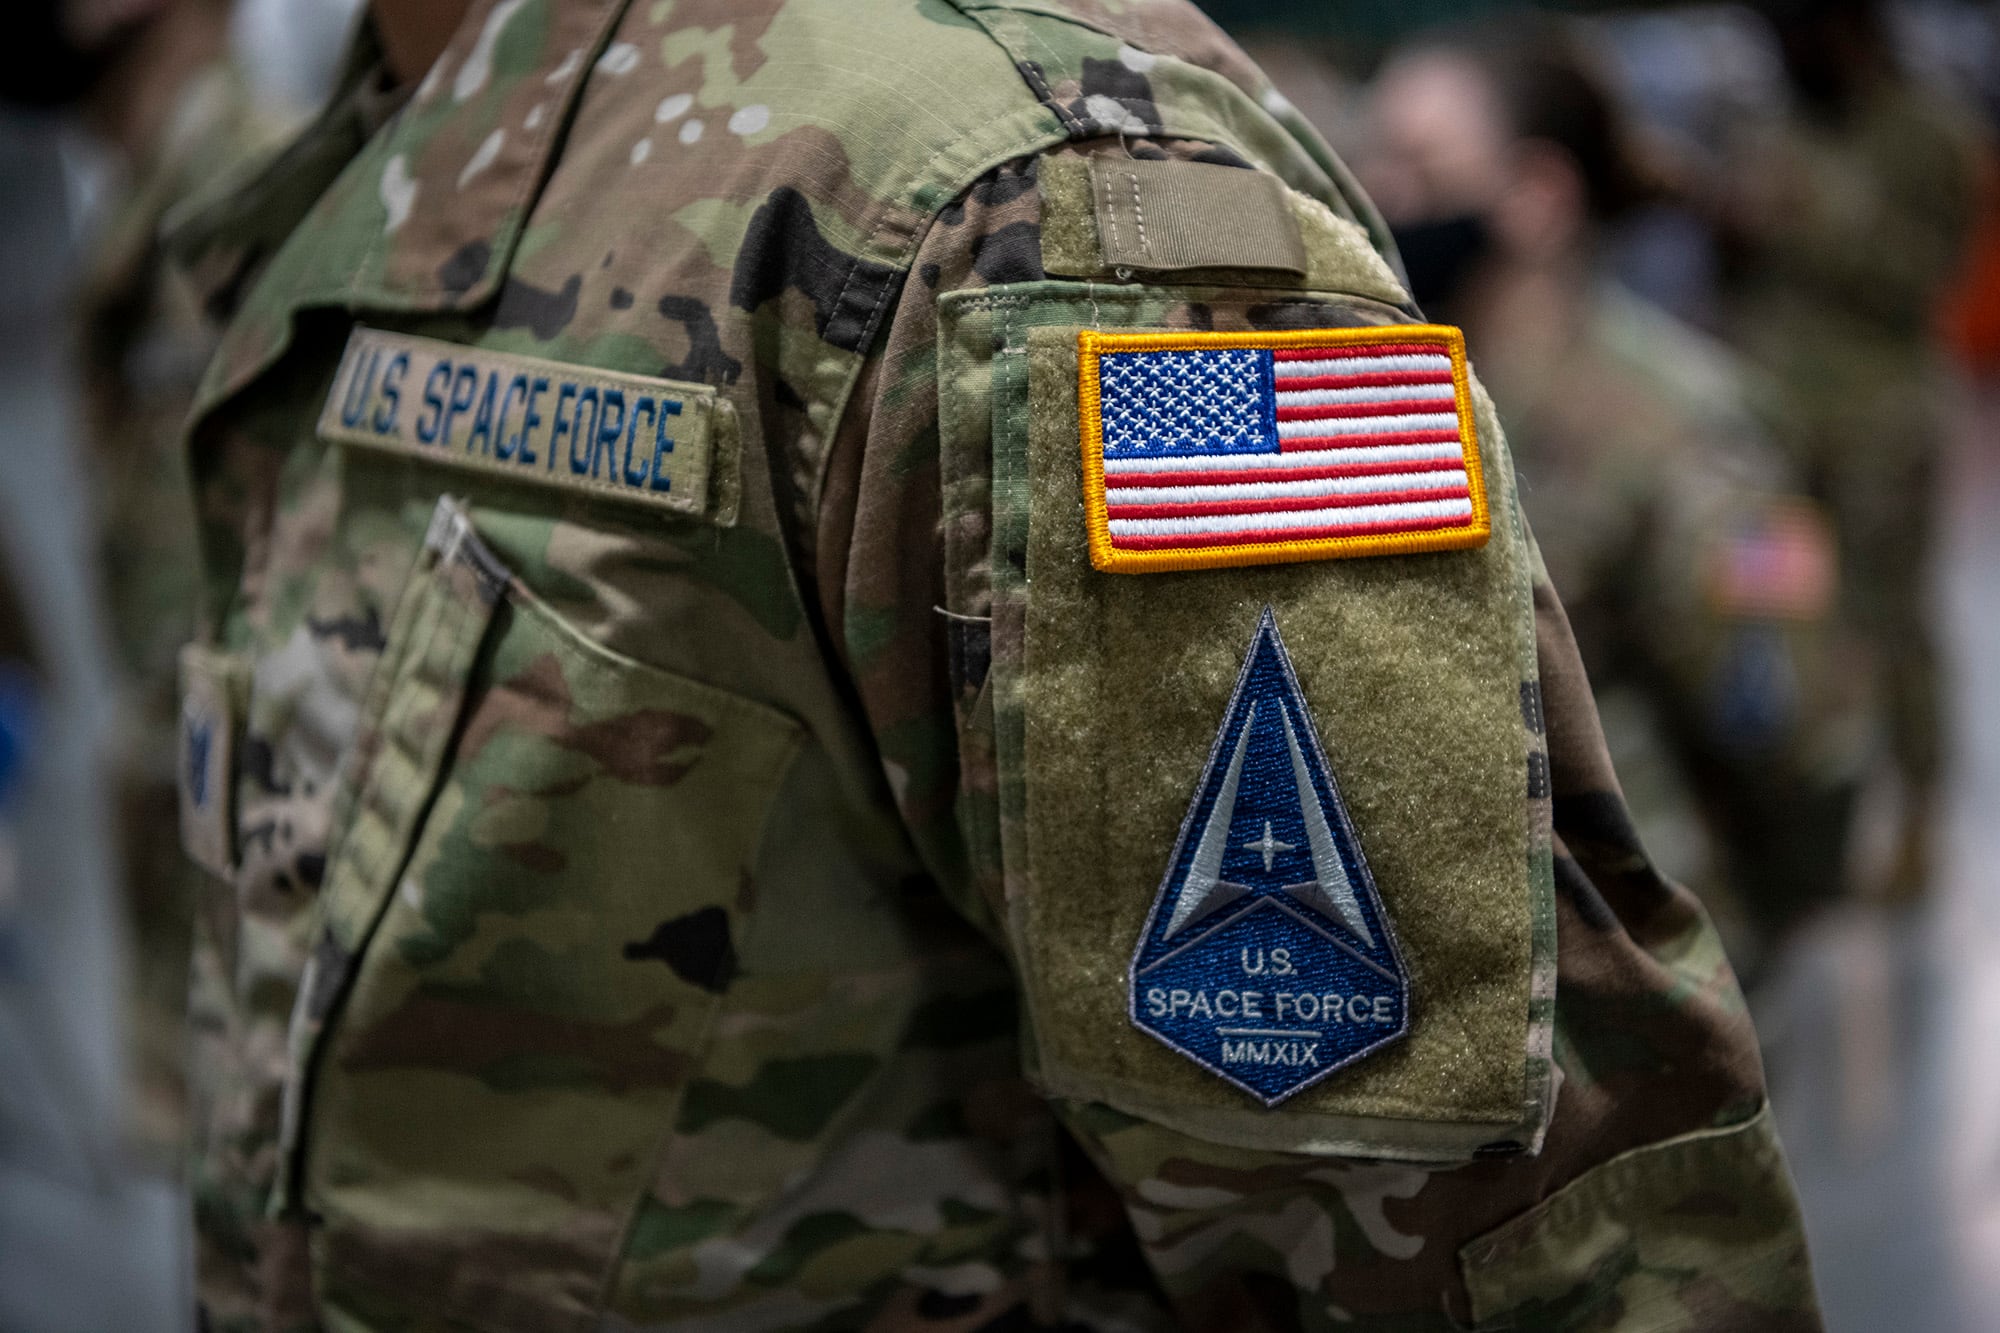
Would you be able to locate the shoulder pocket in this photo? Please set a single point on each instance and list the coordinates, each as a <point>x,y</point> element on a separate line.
<point>1108,693</point>
<point>527,921</point>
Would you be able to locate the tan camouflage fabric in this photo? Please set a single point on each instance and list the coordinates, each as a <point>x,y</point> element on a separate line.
<point>1739,719</point>
<point>621,928</point>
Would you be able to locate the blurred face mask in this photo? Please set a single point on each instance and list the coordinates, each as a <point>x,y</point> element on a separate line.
<point>1439,254</point>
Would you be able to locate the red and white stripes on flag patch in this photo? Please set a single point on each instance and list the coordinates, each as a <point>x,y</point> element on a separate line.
<point>1210,449</point>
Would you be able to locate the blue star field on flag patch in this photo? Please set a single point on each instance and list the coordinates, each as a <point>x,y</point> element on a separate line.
<point>1268,958</point>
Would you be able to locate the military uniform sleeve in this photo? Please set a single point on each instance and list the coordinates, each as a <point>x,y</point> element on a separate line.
<point>1569,1127</point>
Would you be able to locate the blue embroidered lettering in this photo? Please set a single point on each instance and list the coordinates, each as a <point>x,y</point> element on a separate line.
<point>360,386</point>
<point>663,445</point>
<point>482,420</point>
<point>582,438</point>
<point>504,445</point>
<point>392,395</point>
<point>464,382</point>
<point>563,423</point>
<point>644,403</point>
<point>608,431</point>
<point>486,410</point>
<point>532,418</point>
<point>427,428</point>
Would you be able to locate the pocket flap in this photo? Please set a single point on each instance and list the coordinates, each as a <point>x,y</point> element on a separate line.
<point>543,853</point>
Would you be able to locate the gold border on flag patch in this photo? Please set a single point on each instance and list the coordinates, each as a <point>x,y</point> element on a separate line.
<point>606,434</point>
<point>1308,444</point>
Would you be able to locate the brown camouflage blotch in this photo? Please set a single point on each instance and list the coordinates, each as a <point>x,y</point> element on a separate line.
<point>649,747</point>
<point>433,1031</point>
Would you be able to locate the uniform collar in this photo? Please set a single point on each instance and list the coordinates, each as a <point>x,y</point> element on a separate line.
<point>401,203</point>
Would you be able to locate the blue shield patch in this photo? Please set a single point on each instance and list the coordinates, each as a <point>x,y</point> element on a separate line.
<point>1268,958</point>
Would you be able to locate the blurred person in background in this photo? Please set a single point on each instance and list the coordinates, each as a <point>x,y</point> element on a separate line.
<point>1700,586</point>
<point>90,1239</point>
<point>1847,222</point>
<point>112,112</point>
<point>176,117</point>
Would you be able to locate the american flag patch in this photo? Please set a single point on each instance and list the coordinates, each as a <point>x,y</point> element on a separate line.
<point>1777,564</point>
<point>1210,449</point>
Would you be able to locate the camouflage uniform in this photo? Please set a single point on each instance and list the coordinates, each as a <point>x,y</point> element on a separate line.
<point>1702,589</point>
<point>1839,303</point>
<point>143,344</point>
<point>631,918</point>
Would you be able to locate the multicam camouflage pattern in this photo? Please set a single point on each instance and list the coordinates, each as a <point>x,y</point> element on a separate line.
<point>619,930</point>
<point>1738,730</point>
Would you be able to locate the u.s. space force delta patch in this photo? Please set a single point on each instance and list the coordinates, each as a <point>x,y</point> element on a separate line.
<point>1268,957</point>
<point>1203,450</point>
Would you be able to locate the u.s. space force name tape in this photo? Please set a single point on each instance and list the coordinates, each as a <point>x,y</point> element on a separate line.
<point>632,438</point>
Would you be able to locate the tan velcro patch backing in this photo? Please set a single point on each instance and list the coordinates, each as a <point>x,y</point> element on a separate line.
<point>1165,216</point>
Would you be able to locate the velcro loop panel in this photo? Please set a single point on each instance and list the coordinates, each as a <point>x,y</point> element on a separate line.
<point>1166,216</point>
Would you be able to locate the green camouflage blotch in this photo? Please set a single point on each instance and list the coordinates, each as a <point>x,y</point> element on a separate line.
<point>791,1098</point>
<point>659,1229</point>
